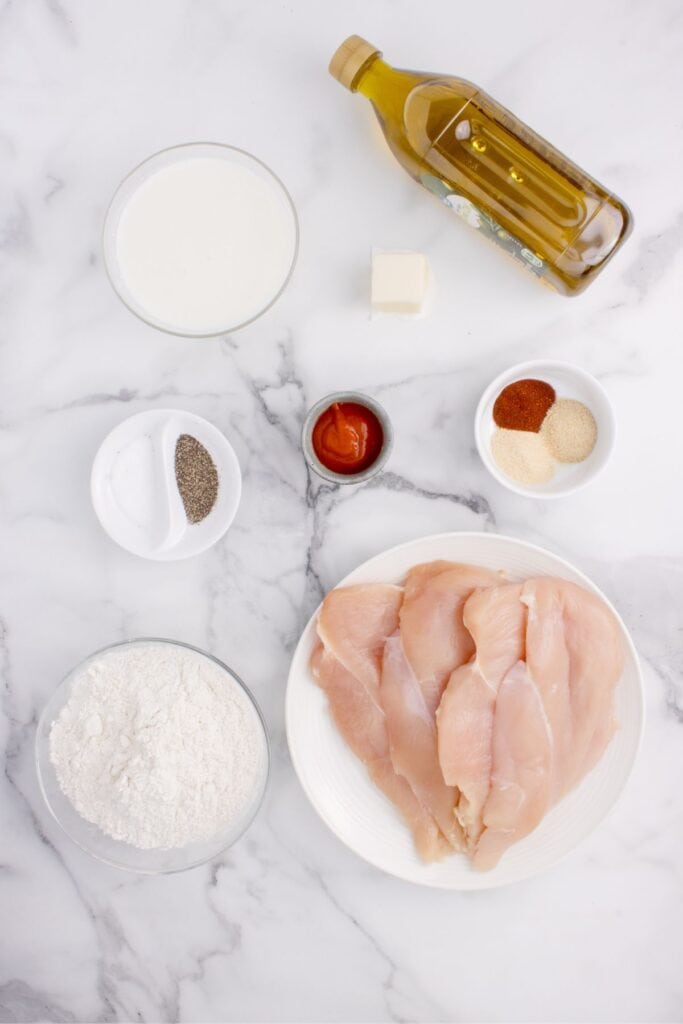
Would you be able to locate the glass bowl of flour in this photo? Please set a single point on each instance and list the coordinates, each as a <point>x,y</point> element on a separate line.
<point>152,756</point>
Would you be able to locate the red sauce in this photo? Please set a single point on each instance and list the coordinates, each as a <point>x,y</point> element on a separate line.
<point>347,438</point>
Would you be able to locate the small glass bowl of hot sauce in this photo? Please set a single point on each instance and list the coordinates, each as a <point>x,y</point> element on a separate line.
<point>347,437</point>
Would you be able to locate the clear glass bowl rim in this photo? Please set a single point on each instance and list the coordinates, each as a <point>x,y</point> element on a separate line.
<point>233,675</point>
<point>173,149</point>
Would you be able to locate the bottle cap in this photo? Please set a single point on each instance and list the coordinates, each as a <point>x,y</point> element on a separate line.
<point>350,58</point>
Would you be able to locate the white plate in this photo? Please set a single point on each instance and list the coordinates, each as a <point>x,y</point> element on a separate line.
<point>337,783</point>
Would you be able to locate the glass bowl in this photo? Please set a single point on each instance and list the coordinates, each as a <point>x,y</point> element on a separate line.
<point>132,182</point>
<point>112,851</point>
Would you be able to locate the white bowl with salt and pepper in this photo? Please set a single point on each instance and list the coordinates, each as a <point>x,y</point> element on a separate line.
<point>165,484</point>
<point>569,383</point>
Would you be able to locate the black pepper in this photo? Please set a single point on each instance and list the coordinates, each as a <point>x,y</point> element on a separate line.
<point>196,476</point>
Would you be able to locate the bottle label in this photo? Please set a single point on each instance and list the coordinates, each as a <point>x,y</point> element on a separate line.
<point>483,222</point>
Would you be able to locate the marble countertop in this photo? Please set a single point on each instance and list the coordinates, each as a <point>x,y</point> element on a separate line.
<point>290,926</point>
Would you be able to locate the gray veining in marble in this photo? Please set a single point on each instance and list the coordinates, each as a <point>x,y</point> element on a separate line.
<point>289,926</point>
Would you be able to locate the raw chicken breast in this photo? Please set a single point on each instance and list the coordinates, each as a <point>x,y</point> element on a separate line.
<point>475,704</point>
<point>412,739</point>
<point>522,776</point>
<point>434,636</point>
<point>361,722</point>
<point>496,621</point>
<point>353,624</point>
<point>565,692</point>
<point>575,654</point>
<point>417,663</point>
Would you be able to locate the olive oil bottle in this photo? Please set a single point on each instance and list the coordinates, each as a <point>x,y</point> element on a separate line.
<point>490,168</point>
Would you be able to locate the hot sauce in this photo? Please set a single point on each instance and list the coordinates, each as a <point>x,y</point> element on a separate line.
<point>347,438</point>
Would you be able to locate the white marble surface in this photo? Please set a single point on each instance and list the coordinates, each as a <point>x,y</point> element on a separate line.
<point>289,926</point>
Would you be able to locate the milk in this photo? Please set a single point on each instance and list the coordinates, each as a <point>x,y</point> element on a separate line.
<point>206,243</point>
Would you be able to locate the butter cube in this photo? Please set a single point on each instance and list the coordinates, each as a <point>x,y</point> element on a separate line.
<point>399,282</point>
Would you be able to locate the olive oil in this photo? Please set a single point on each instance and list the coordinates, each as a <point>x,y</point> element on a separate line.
<point>490,168</point>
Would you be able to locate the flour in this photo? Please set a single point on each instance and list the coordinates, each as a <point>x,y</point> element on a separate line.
<point>158,746</point>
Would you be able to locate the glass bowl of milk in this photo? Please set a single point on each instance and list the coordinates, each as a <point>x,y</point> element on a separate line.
<point>200,239</point>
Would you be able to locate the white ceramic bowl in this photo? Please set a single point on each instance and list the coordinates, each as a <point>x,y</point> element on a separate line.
<point>569,382</point>
<point>167,536</point>
<point>340,789</point>
<point>111,851</point>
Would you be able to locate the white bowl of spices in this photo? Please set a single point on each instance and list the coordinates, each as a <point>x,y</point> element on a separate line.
<point>544,428</point>
<point>165,484</point>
